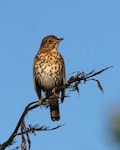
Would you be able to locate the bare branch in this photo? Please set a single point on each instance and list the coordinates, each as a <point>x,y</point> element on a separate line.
<point>73,83</point>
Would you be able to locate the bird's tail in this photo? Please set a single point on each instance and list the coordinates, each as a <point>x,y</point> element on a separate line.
<point>54,108</point>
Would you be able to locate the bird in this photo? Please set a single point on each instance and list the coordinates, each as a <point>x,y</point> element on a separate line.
<point>49,72</point>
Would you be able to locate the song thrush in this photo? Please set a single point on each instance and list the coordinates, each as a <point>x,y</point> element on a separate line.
<point>49,72</point>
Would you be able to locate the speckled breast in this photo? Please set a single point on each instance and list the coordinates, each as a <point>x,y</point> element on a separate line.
<point>48,69</point>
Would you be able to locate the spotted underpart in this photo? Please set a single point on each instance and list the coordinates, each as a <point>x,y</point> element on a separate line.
<point>48,68</point>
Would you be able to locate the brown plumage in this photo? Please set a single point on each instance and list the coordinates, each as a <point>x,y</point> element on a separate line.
<point>49,72</point>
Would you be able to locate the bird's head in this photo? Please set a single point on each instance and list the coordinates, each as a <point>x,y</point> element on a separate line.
<point>50,42</point>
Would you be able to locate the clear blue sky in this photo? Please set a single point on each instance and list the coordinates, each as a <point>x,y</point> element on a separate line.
<point>91,32</point>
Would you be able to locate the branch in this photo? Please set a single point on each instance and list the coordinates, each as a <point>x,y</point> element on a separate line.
<point>73,83</point>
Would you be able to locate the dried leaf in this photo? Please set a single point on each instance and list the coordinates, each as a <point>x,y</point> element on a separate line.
<point>99,85</point>
<point>29,141</point>
<point>90,73</point>
<point>76,87</point>
<point>23,144</point>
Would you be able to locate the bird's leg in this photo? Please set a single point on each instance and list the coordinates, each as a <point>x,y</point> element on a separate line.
<point>40,102</point>
<point>56,95</point>
<point>54,92</point>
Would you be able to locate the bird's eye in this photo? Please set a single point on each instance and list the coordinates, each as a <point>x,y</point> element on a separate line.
<point>49,41</point>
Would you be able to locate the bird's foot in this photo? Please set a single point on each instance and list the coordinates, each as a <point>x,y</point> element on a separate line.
<point>54,92</point>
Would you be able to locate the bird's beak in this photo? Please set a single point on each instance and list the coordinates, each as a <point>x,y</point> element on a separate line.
<point>60,39</point>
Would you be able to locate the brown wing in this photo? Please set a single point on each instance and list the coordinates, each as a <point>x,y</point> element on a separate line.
<point>63,82</point>
<point>37,87</point>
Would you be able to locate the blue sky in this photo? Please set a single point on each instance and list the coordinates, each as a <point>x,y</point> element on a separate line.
<point>91,32</point>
